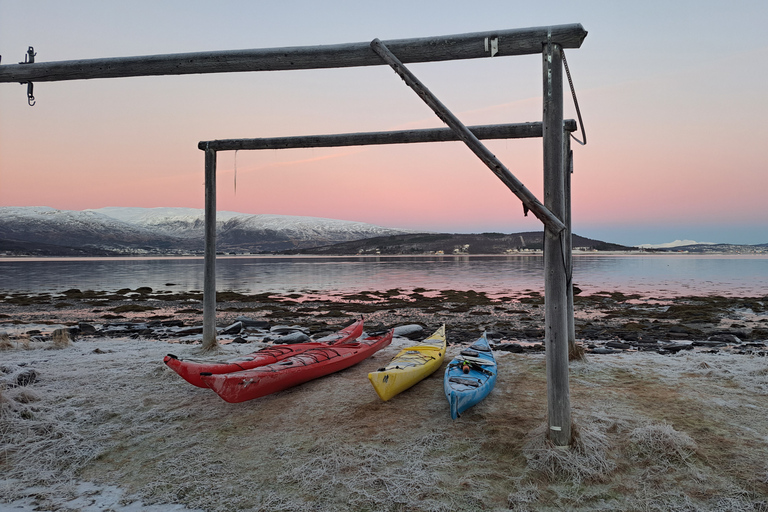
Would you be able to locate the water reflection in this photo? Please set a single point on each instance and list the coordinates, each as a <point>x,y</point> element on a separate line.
<point>649,275</point>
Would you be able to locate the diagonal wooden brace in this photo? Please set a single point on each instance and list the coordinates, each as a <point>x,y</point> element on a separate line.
<point>465,135</point>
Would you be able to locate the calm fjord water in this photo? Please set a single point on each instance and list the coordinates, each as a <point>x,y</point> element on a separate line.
<point>649,275</point>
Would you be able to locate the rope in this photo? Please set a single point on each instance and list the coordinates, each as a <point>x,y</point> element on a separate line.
<point>575,101</point>
<point>568,269</point>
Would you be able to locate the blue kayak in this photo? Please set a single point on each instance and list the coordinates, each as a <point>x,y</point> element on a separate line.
<point>470,376</point>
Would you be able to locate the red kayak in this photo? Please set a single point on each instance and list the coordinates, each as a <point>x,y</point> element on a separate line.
<point>317,362</point>
<point>190,369</point>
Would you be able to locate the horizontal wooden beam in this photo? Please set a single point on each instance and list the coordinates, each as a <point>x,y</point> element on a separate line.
<point>494,131</point>
<point>524,41</point>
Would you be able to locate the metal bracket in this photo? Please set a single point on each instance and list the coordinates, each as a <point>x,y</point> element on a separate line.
<point>29,58</point>
<point>494,45</point>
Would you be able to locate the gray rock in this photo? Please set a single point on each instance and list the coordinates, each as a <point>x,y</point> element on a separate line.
<point>294,337</point>
<point>709,343</point>
<point>675,347</point>
<point>125,328</point>
<point>235,328</point>
<point>251,323</point>
<point>725,338</point>
<point>408,331</point>
<point>87,328</point>
<point>509,347</point>
<point>188,340</point>
<point>190,331</point>
<point>284,329</point>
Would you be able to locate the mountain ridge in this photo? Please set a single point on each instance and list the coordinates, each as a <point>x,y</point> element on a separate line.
<point>455,243</point>
<point>169,231</point>
<point>45,231</point>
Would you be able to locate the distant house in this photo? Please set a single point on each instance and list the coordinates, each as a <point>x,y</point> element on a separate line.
<point>461,249</point>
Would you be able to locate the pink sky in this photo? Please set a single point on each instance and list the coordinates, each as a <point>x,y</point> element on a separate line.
<point>675,118</point>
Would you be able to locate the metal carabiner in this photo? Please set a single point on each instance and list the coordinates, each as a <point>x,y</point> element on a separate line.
<point>30,95</point>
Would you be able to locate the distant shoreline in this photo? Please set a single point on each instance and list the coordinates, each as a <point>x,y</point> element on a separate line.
<point>576,254</point>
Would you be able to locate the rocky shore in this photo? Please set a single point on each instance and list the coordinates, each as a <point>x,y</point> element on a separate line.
<point>606,322</point>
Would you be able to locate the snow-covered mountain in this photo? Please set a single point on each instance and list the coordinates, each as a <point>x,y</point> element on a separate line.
<point>116,230</point>
<point>51,231</point>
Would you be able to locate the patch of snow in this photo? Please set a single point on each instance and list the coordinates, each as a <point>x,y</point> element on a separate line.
<point>161,215</point>
<point>676,243</point>
<point>190,221</point>
<point>90,497</point>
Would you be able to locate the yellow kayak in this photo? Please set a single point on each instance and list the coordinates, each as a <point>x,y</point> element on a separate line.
<point>409,366</point>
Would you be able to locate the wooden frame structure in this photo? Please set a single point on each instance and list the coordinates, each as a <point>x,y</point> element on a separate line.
<point>554,212</point>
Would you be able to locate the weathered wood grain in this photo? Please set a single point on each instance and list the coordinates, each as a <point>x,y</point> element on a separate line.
<point>209,274</point>
<point>440,48</point>
<point>555,260</point>
<point>495,131</point>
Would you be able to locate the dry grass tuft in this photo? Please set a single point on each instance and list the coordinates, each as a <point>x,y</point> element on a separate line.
<point>586,460</point>
<point>524,498</point>
<point>23,341</point>
<point>661,442</point>
<point>61,339</point>
<point>577,353</point>
<point>5,341</point>
<point>24,396</point>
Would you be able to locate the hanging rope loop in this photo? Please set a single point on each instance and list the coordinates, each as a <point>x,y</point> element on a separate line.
<point>575,102</point>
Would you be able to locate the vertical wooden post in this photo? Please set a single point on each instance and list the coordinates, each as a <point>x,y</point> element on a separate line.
<point>209,276</point>
<point>556,302</point>
<point>572,350</point>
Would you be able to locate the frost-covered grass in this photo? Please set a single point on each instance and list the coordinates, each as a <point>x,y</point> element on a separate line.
<point>650,433</point>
